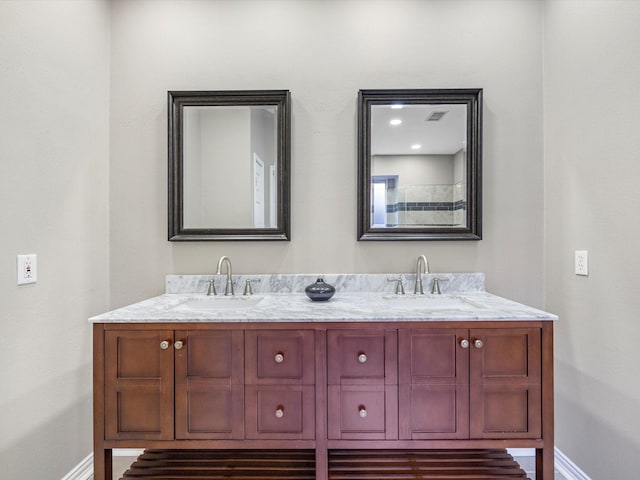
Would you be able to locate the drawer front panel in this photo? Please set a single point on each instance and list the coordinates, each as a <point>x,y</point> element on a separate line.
<point>280,357</point>
<point>280,412</point>
<point>361,357</point>
<point>362,412</point>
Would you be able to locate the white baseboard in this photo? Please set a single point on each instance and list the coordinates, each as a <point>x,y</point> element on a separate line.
<point>82,471</point>
<point>127,452</point>
<point>522,452</point>
<point>567,468</point>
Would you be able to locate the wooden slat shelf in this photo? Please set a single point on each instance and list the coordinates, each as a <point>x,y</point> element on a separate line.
<point>343,465</point>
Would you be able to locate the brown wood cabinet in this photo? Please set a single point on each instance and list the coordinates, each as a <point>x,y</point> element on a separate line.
<point>324,386</point>
<point>470,384</point>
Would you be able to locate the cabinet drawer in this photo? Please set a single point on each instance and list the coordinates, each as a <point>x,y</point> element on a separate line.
<point>363,412</point>
<point>362,357</point>
<point>280,357</point>
<point>280,412</point>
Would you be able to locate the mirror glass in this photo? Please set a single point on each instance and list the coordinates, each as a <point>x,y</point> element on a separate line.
<point>228,165</point>
<point>419,164</point>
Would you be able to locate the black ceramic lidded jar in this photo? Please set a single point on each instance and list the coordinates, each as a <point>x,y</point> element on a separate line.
<point>320,291</point>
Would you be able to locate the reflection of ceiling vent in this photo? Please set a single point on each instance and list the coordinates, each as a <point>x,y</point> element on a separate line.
<point>436,116</point>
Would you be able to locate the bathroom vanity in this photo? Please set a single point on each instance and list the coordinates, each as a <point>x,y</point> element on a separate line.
<point>366,371</point>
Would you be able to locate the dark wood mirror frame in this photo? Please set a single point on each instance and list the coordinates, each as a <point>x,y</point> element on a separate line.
<point>177,100</point>
<point>470,97</point>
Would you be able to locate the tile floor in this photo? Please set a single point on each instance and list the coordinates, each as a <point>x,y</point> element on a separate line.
<point>120,464</point>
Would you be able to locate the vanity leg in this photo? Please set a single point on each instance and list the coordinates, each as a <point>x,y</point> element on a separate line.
<point>322,462</point>
<point>322,453</point>
<point>102,464</point>
<point>544,464</point>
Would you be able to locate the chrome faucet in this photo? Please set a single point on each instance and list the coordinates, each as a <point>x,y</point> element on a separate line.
<point>228,289</point>
<point>419,271</point>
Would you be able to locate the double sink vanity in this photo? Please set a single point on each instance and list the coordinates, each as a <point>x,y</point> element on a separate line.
<point>372,384</point>
<point>367,371</point>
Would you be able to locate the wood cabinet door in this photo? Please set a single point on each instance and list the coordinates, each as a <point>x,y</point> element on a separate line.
<point>433,384</point>
<point>139,384</point>
<point>209,377</point>
<point>505,380</point>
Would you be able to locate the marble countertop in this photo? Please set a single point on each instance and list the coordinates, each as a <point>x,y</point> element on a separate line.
<point>343,307</point>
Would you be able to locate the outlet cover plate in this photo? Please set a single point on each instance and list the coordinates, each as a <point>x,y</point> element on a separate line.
<point>27,267</point>
<point>582,262</point>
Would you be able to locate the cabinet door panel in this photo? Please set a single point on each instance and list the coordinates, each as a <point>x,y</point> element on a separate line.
<point>280,357</point>
<point>209,385</point>
<point>280,412</point>
<point>433,412</point>
<point>433,384</point>
<point>138,385</point>
<point>505,383</point>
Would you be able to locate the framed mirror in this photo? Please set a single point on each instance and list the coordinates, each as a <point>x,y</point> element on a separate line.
<point>229,156</point>
<point>420,164</point>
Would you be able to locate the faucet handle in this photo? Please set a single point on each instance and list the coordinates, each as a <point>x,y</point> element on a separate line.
<point>435,288</point>
<point>399,285</point>
<point>247,285</point>
<point>211,287</point>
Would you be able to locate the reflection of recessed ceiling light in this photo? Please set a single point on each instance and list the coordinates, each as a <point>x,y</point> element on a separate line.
<point>396,106</point>
<point>395,121</point>
<point>416,146</point>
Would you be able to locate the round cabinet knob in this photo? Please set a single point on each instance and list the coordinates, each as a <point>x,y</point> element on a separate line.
<point>478,344</point>
<point>362,357</point>
<point>164,345</point>
<point>464,343</point>
<point>278,357</point>
<point>280,412</point>
<point>362,411</point>
<point>178,345</point>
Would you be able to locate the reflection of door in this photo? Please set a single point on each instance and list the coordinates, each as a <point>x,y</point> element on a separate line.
<point>273,223</point>
<point>258,191</point>
<point>384,212</point>
<point>379,214</point>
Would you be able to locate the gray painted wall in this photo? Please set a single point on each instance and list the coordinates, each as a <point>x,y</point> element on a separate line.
<point>591,106</point>
<point>324,52</point>
<point>54,138</point>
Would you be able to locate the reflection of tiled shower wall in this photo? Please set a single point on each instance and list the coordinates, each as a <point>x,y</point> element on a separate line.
<point>429,205</point>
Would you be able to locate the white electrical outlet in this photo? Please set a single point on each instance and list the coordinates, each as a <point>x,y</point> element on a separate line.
<point>27,269</point>
<point>582,262</point>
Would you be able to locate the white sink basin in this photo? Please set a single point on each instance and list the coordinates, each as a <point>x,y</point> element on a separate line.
<point>217,303</point>
<point>431,302</point>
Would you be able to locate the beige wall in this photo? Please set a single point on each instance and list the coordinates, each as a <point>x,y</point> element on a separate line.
<point>591,106</point>
<point>324,52</point>
<point>54,197</point>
